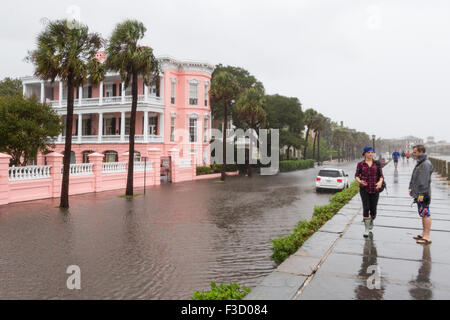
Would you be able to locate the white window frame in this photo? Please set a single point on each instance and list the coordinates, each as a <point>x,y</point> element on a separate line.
<point>193,137</point>
<point>173,92</point>
<point>173,126</point>
<point>205,128</point>
<point>206,94</point>
<point>193,94</point>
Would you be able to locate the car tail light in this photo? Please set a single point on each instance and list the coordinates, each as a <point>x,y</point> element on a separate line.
<point>339,180</point>
<point>318,179</point>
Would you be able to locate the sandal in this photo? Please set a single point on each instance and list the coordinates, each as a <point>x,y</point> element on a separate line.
<point>418,237</point>
<point>423,241</point>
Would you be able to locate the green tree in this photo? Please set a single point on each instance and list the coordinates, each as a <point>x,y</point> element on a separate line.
<point>126,56</point>
<point>66,50</point>
<point>224,92</point>
<point>310,115</point>
<point>10,87</point>
<point>25,126</point>
<point>250,114</point>
<point>285,114</point>
<point>245,81</point>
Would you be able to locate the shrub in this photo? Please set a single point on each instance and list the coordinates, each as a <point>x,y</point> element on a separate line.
<point>203,170</point>
<point>232,291</point>
<point>292,165</point>
<point>282,248</point>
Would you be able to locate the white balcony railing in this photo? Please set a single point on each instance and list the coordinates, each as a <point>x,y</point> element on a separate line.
<point>90,102</point>
<point>114,167</point>
<point>29,173</point>
<point>80,169</point>
<point>139,166</point>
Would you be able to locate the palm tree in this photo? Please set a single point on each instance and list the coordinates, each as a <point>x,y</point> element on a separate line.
<point>251,114</point>
<point>67,51</point>
<point>224,90</point>
<point>309,122</point>
<point>126,56</point>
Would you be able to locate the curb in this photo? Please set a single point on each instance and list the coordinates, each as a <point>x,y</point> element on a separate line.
<point>288,280</point>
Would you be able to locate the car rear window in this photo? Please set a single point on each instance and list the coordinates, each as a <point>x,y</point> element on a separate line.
<point>329,173</point>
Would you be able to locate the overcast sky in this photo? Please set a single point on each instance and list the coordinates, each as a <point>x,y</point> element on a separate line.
<point>382,67</point>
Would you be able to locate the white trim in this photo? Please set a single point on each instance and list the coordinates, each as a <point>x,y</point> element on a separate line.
<point>193,115</point>
<point>194,81</point>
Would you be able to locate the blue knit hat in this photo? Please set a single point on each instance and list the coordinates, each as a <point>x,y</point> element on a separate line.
<point>367,149</point>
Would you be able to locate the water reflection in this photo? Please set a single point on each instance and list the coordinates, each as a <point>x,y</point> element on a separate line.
<point>396,175</point>
<point>422,285</point>
<point>165,245</point>
<point>371,287</point>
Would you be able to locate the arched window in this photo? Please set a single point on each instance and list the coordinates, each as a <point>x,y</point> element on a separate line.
<point>86,155</point>
<point>111,156</point>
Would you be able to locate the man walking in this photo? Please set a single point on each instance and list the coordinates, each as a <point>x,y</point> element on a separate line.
<point>395,157</point>
<point>420,190</point>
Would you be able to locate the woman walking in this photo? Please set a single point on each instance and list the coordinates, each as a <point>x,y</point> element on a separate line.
<point>369,174</point>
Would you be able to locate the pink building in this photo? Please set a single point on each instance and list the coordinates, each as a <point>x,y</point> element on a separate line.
<point>178,116</point>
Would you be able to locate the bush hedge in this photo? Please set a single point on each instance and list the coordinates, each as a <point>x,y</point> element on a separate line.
<point>232,291</point>
<point>216,168</point>
<point>286,246</point>
<point>291,165</point>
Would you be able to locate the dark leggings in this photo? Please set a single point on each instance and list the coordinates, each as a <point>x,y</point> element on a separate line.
<point>370,202</point>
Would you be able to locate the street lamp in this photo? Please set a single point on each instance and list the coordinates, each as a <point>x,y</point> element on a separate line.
<point>373,142</point>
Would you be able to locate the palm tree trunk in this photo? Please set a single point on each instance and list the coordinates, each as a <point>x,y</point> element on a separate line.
<point>314,145</point>
<point>64,201</point>
<point>306,144</point>
<point>134,92</point>
<point>225,120</point>
<point>318,148</point>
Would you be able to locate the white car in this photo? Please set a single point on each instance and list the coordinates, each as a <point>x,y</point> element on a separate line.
<point>330,178</point>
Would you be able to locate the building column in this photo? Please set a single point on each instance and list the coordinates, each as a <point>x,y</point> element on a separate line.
<point>145,126</point>
<point>123,92</point>
<point>122,127</point>
<point>154,155</point>
<point>161,87</point>
<point>4,178</point>
<point>24,90</point>
<point>80,95</point>
<point>161,126</point>
<point>145,93</point>
<point>80,127</point>
<point>100,99</point>
<point>100,126</point>
<point>42,92</point>
<point>97,160</point>
<point>55,160</point>
<point>60,93</point>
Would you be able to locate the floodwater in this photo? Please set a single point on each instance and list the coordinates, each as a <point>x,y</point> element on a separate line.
<point>165,245</point>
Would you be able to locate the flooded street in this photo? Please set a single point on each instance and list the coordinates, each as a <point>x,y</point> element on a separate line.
<point>165,245</point>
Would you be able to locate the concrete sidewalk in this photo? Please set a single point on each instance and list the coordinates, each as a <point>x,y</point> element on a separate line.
<point>338,263</point>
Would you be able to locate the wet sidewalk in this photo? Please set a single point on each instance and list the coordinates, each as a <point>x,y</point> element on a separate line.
<point>338,263</point>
